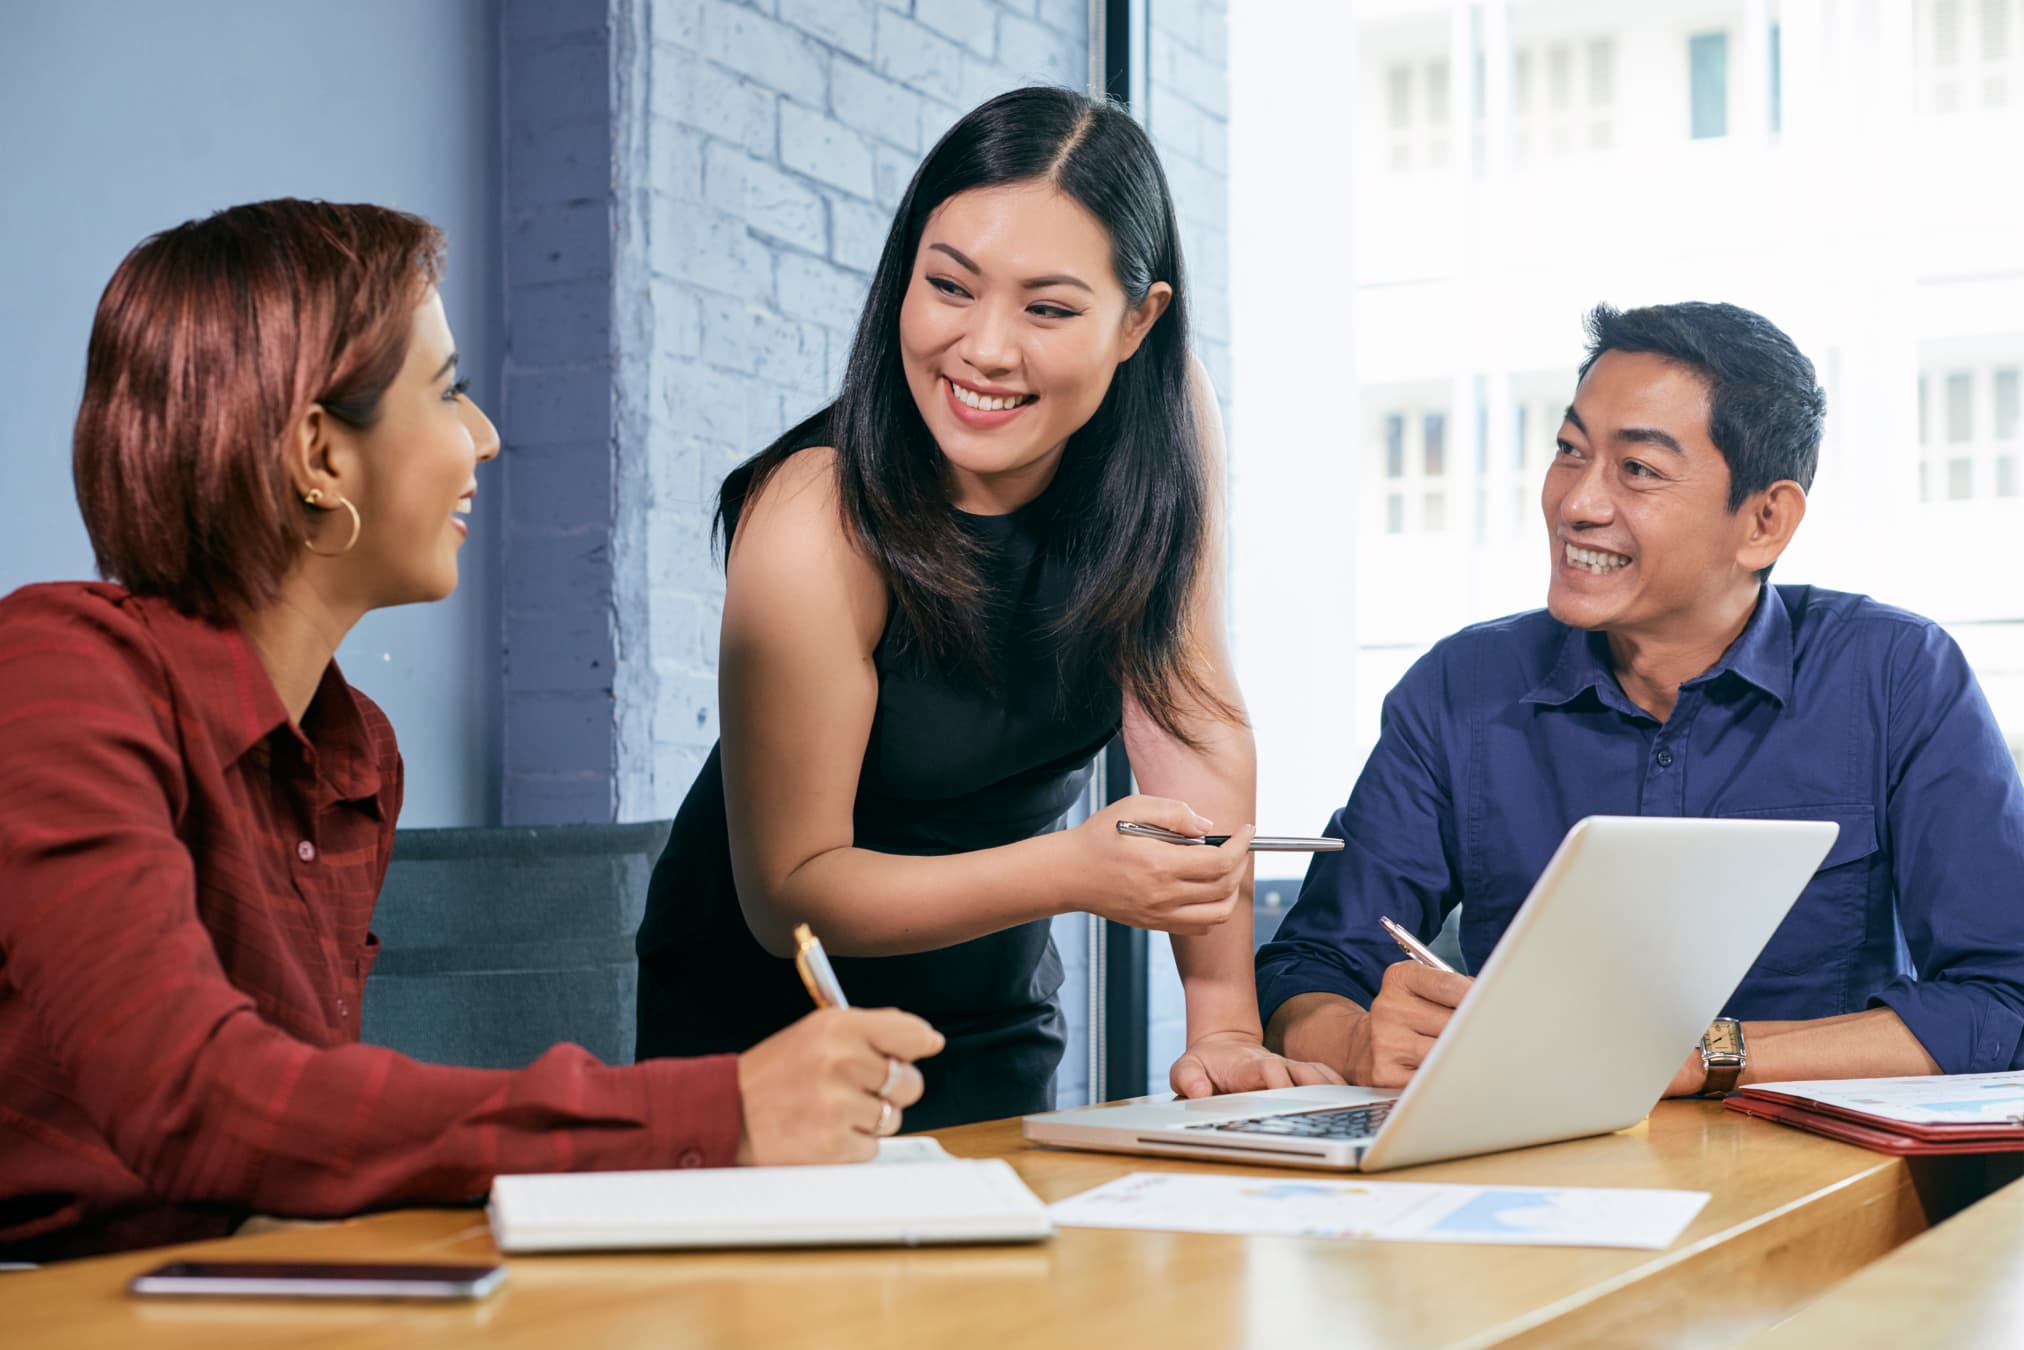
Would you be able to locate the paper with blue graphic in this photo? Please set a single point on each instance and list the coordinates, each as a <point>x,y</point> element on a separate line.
<point>1937,1099</point>
<point>1399,1211</point>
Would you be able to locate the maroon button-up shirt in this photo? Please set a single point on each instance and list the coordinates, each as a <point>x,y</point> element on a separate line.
<point>186,885</point>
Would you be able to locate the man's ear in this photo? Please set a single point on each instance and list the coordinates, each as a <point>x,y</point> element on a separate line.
<point>1140,320</point>
<point>1772,518</point>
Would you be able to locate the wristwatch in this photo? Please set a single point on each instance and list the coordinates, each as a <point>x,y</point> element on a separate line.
<point>1722,1055</point>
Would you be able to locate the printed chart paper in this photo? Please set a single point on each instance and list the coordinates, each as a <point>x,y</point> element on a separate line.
<point>1398,1211</point>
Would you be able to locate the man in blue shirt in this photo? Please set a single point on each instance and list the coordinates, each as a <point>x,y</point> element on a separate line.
<point>1666,677</point>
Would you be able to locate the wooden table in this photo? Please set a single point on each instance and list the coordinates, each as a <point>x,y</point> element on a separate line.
<point>1960,1285</point>
<point>1791,1215</point>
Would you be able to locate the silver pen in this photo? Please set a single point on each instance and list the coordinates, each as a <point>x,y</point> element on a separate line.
<point>1260,843</point>
<point>1415,948</point>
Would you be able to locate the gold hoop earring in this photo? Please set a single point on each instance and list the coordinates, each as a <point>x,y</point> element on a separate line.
<point>313,501</point>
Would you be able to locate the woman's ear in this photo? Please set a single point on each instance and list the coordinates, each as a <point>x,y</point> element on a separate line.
<point>308,451</point>
<point>1139,320</point>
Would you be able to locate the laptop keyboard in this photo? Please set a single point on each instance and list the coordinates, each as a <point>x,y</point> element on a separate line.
<point>1347,1122</point>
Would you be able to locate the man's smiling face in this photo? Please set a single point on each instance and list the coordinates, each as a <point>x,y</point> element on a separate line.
<point>1637,503</point>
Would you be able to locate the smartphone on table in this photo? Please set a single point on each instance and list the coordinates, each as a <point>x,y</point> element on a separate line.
<point>320,1279</point>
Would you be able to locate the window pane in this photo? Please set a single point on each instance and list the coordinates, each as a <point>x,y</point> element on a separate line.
<point>1521,82</point>
<point>1960,479</point>
<point>1398,89</point>
<point>1601,73</point>
<point>2006,404</point>
<point>1518,434</point>
<point>1559,77</point>
<point>1434,514</point>
<point>1437,94</point>
<point>1436,427</point>
<point>1777,61</point>
<point>1946,32</point>
<point>1395,513</point>
<point>2006,476</point>
<point>1395,446</point>
<point>1995,29</point>
<point>1925,434</point>
<point>1960,406</point>
<point>1708,84</point>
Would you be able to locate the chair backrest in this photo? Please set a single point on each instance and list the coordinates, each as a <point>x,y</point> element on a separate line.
<point>497,943</point>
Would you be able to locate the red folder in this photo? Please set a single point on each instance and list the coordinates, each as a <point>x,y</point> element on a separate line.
<point>1877,1132</point>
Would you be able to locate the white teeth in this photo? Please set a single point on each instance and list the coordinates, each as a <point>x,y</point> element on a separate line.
<point>971,399</point>
<point>1596,561</point>
<point>463,507</point>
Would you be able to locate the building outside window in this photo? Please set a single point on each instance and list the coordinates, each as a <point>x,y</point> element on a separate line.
<point>1708,83</point>
<point>1787,157</point>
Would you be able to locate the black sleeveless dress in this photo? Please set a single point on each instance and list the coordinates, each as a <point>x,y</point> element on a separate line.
<point>951,766</point>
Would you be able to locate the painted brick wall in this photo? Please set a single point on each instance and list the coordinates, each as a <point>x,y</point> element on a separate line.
<point>778,138</point>
<point>696,192</point>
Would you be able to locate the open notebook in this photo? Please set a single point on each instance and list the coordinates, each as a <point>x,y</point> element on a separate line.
<point>933,1198</point>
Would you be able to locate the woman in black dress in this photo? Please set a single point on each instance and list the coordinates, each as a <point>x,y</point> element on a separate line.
<point>945,592</point>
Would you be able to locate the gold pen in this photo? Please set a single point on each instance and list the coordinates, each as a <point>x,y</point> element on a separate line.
<point>816,972</point>
<point>1415,948</point>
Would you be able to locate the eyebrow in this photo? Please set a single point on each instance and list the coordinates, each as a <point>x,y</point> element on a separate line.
<point>1634,435</point>
<point>445,368</point>
<point>1031,283</point>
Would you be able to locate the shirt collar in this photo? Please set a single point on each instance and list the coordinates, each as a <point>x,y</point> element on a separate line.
<point>1761,656</point>
<point>237,705</point>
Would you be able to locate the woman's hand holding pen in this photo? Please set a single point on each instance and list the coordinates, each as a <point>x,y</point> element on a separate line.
<point>825,1089</point>
<point>1148,884</point>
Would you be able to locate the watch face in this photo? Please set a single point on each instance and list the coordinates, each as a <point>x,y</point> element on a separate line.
<point>1723,1038</point>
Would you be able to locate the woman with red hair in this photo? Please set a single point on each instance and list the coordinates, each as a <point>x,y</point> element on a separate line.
<point>196,810</point>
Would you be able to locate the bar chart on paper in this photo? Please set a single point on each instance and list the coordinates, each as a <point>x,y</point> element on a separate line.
<point>1399,1211</point>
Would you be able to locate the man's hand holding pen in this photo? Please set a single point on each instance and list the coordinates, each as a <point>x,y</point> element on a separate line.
<point>1390,1041</point>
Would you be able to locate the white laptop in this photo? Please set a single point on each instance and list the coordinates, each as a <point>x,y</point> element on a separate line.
<point>1632,939</point>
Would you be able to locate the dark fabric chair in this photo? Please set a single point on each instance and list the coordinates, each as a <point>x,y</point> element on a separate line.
<point>497,943</point>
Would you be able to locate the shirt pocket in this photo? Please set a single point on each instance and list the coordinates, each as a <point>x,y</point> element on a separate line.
<point>1825,925</point>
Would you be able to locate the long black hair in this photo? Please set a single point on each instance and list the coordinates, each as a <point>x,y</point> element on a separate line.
<point>1131,519</point>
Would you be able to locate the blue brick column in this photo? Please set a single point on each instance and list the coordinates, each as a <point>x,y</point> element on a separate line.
<point>556,416</point>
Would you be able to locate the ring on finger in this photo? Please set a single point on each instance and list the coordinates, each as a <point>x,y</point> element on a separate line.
<point>892,1079</point>
<point>885,1117</point>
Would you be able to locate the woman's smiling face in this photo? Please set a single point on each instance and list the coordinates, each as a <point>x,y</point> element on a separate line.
<point>1013,326</point>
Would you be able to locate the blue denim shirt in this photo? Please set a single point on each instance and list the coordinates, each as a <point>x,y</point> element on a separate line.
<point>1828,706</point>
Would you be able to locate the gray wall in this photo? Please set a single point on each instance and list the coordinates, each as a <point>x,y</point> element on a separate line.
<point>124,118</point>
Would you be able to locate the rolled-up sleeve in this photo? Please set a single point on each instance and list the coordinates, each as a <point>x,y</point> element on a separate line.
<point>1398,859</point>
<point>1956,820</point>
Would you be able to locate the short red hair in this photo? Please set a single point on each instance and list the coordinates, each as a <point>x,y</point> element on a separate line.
<point>211,339</point>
